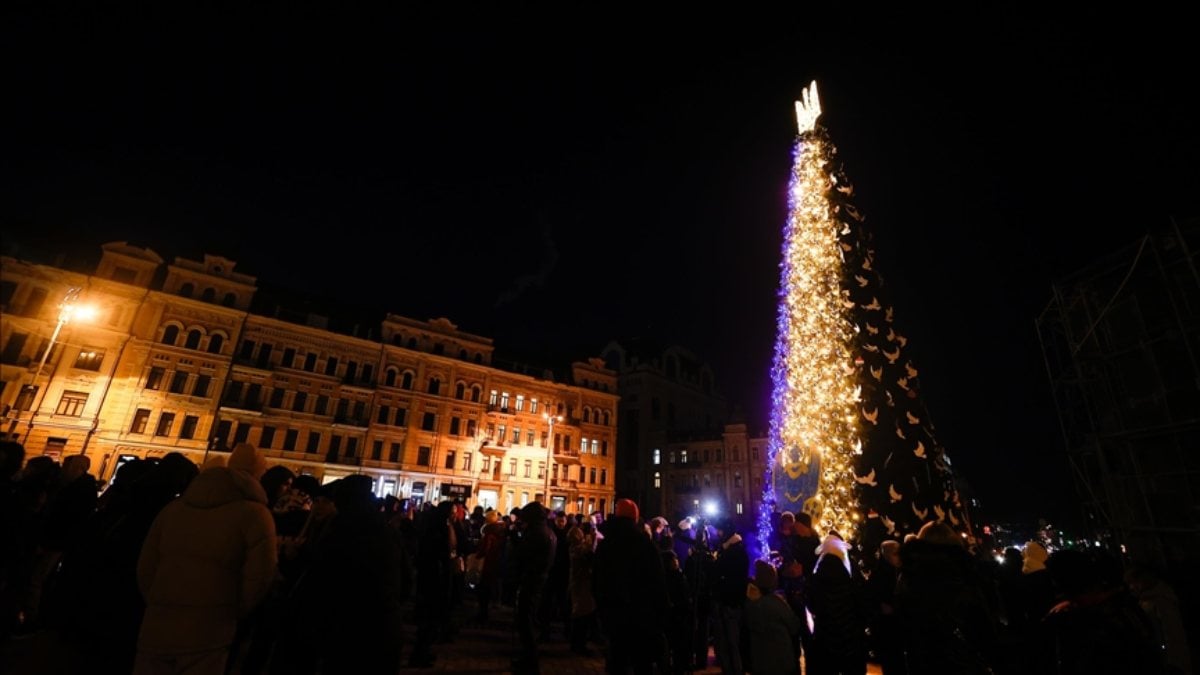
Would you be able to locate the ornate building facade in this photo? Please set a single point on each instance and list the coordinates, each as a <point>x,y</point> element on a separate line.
<point>174,358</point>
<point>719,474</point>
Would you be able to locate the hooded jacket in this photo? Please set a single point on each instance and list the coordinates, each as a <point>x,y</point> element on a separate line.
<point>208,560</point>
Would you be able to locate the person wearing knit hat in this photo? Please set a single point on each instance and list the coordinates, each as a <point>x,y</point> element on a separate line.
<point>772,627</point>
<point>765,578</point>
<point>627,508</point>
<point>245,458</point>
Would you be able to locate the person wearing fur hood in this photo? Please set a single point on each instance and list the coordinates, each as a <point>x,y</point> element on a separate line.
<point>208,561</point>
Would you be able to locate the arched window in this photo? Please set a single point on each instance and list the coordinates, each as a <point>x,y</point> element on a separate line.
<point>170,335</point>
<point>229,300</point>
<point>187,289</point>
<point>412,343</point>
<point>193,339</point>
<point>434,385</point>
<point>460,391</point>
<point>462,354</point>
<point>476,394</point>
<point>587,414</point>
<point>390,378</point>
<point>407,380</point>
<point>604,415</point>
<point>209,294</point>
<point>215,343</point>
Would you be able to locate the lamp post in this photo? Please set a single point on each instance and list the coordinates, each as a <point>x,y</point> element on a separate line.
<point>550,419</point>
<point>66,310</point>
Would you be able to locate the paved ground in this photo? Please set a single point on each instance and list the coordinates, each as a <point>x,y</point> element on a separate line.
<point>477,649</point>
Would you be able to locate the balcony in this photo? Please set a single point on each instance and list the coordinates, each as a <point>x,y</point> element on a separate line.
<point>566,456</point>
<point>502,409</point>
<point>564,483</point>
<point>493,448</point>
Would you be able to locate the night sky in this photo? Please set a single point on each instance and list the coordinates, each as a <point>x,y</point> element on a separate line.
<point>556,181</point>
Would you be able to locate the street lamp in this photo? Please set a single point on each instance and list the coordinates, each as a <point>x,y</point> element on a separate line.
<point>67,310</point>
<point>550,419</point>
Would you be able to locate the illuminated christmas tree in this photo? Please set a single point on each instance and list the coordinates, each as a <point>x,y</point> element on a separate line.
<point>850,440</point>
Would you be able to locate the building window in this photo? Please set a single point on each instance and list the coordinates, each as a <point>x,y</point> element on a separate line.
<point>193,339</point>
<point>512,467</point>
<point>424,455</point>
<point>471,428</point>
<point>683,456</point>
<point>460,391</point>
<point>203,382</point>
<point>493,398</point>
<point>242,433</point>
<point>582,474</point>
<point>165,422</point>
<point>299,401</point>
<point>595,447</point>
<point>657,479</point>
<point>604,448</point>
<point>428,421</point>
<point>754,453</point>
<point>466,461</point>
<point>739,508</point>
<point>450,457</point>
<point>516,437</point>
<point>504,401</point>
<point>503,433</point>
<point>170,335</point>
<point>401,417</point>
<point>406,381</point>
<point>737,479</point>
<point>314,443</point>
<point>583,445</point>
<point>190,422</point>
<point>383,414</point>
<point>529,438</point>
<point>533,405</point>
<point>331,366</point>
<point>351,446</point>
<point>394,453</point>
<point>89,359</point>
<point>276,398</point>
<point>520,402</point>
<point>178,382</point>
<point>71,404</point>
<point>657,457</point>
<point>140,419</point>
<point>435,385</point>
<point>541,471</point>
<point>455,423</point>
<point>289,357</point>
<point>289,439</point>
<point>604,476</point>
<point>592,475</point>
<point>529,468</point>
<point>322,405</point>
<point>310,362</point>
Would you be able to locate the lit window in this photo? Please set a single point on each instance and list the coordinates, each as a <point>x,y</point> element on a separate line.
<point>533,405</point>
<point>683,456</point>
<point>657,456</point>
<point>739,508</point>
<point>657,479</point>
<point>520,402</point>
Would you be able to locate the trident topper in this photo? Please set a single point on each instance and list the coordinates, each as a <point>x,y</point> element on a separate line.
<point>808,109</point>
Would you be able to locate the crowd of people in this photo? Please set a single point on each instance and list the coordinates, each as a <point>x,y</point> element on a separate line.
<point>240,567</point>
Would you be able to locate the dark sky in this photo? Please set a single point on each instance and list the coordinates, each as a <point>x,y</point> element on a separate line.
<point>556,180</point>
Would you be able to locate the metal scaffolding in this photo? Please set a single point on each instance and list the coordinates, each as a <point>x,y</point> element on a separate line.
<point>1121,341</point>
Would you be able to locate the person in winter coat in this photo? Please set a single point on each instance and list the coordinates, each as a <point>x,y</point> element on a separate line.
<point>631,592</point>
<point>208,560</point>
<point>579,585</point>
<point>836,600</point>
<point>532,558</point>
<point>773,628</point>
<point>491,550</point>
